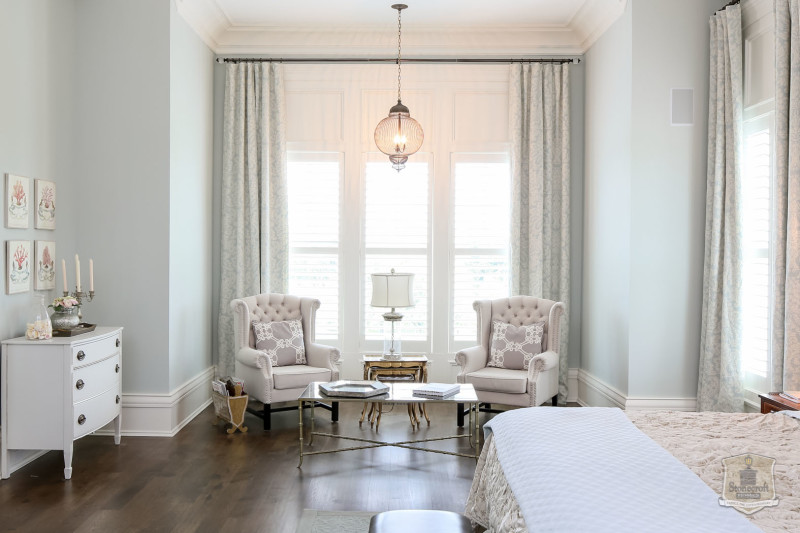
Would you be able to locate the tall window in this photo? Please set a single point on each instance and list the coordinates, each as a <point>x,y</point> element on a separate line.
<point>396,235</point>
<point>481,230</point>
<point>314,180</point>
<point>757,212</point>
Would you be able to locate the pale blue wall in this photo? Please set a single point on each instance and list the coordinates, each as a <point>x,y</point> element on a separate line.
<point>191,94</point>
<point>607,217</point>
<point>36,118</point>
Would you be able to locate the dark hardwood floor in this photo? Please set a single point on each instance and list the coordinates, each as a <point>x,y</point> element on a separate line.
<point>205,480</point>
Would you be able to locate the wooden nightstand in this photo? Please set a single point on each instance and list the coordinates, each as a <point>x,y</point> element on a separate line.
<point>772,401</point>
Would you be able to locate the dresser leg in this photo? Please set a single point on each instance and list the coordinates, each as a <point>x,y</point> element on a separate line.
<point>118,429</point>
<point>68,461</point>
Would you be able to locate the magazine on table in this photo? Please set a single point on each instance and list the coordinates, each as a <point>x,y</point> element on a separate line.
<point>437,390</point>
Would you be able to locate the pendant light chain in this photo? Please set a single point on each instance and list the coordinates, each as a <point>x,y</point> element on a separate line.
<point>399,38</point>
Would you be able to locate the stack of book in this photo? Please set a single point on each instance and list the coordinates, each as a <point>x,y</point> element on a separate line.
<point>437,390</point>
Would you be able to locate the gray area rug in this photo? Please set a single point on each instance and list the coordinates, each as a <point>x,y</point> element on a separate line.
<point>334,521</point>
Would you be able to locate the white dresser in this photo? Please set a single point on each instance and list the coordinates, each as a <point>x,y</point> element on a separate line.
<point>59,390</point>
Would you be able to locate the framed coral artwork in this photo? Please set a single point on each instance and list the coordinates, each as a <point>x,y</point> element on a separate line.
<point>18,266</point>
<point>17,204</point>
<point>44,267</point>
<point>45,210</point>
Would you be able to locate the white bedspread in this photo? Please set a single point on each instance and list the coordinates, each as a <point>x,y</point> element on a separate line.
<point>595,471</point>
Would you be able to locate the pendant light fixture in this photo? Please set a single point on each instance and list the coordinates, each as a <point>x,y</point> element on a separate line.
<point>398,135</point>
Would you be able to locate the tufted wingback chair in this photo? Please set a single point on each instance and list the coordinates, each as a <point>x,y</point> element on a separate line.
<point>523,388</point>
<point>274,384</point>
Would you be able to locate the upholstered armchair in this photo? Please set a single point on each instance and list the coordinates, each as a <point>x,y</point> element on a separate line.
<point>264,380</point>
<point>506,386</point>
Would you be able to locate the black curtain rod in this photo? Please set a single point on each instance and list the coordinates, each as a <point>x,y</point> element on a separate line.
<point>729,4</point>
<point>392,60</point>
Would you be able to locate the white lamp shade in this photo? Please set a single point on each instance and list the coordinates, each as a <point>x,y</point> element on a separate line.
<point>392,290</point>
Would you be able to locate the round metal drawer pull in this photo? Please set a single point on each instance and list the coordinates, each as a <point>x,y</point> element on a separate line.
<point>79,384</point>
<point>117,398</point>
<point>81,356</point>
<point>116,369</point>
<point>118,343</point>
<point>81,419</point>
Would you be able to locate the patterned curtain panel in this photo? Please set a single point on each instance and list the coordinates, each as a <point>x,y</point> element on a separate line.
<point>786,289</point>
<point>720,384</point>
<point>255,228</point>
<point>540,158</point>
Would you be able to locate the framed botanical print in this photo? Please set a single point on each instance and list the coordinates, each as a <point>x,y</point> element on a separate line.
<point>44,266</point>
<point>18,266</point>
<point>45,213</point>
<point>17,201</point>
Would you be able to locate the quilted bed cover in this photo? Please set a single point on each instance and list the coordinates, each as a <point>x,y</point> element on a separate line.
<point>588,469</point>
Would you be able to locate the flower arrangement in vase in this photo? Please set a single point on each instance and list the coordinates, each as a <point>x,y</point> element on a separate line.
<point>65,312</point>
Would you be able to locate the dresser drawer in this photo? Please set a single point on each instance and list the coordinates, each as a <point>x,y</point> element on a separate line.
<point>86,354</point>
<point>94,413</point>
<point>89,381</point>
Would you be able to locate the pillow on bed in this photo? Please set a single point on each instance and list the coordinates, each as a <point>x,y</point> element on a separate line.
<point>513,347</point>
<point>281,341</point>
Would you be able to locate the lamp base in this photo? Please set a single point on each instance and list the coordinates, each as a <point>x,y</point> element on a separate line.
<point>392,346</point>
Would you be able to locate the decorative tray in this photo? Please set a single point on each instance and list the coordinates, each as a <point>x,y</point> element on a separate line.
<point>83,327</point>
<point>354,389</point>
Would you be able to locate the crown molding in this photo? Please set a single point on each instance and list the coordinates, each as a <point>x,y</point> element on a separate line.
<point>210,22</point>
<point>594,18</point>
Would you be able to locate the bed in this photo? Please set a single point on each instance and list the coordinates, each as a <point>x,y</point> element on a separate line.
<point>545,479</point>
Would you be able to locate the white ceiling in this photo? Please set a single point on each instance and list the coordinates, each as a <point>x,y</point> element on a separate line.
<point>475,28</point>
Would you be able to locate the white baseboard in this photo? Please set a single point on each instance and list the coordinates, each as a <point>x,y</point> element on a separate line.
<point>572,385</point>
<point>661,404</point>
<point>19,458</point>
<point>164,415</point>
<point>596,393</point>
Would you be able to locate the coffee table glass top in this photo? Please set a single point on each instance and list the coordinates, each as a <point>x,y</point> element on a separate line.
<point>398,393</point>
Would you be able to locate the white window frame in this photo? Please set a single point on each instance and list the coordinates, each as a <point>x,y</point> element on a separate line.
<point>376,346</point>
<point>327,157</point>
<point>759,118</point>
<point>455,158</point>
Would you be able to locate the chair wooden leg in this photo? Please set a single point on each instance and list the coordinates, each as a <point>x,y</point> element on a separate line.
<point>555,400</point>
<point>334,411</point>
<point>460,415</point>
<point>267,417</point>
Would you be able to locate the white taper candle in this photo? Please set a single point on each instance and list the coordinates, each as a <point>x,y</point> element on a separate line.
<point>91,275</point>
<point>77,273</point>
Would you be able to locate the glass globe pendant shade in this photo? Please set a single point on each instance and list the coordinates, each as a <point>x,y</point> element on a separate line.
<point>399,136</point>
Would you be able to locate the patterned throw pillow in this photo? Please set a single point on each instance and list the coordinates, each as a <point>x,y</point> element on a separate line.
<point>281,341</point>
<point>513,347</point>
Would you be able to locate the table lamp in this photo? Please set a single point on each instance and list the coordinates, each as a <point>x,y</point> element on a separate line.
<point>392,290</point>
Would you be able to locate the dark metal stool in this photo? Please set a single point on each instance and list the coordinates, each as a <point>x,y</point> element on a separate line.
<point>419,522</point>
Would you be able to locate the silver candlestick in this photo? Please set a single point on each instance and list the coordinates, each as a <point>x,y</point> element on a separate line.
<point>80,295</point>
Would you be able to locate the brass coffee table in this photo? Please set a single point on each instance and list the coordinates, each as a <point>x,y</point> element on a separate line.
<point>398,393</point>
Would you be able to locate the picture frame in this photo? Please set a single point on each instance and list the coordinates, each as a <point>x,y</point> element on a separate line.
<point>44,266</point>
<point>17,202</point>
<point>18,266</point>
<point>44,216</point>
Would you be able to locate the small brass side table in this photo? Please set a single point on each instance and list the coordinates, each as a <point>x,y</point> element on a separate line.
<point>412,368</point>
